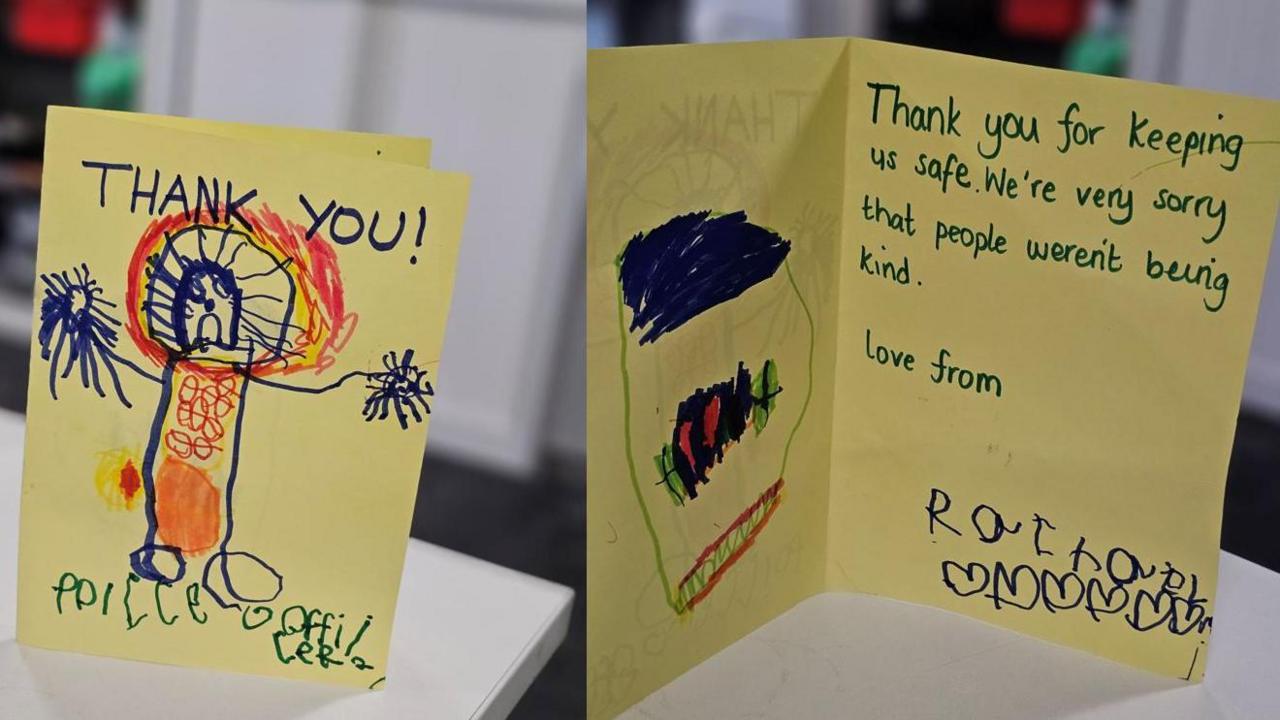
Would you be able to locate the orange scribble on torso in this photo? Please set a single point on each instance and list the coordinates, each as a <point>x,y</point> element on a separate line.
<point>188,507</point>
<point>201,408</point>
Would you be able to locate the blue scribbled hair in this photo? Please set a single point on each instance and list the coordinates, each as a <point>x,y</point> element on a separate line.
<point>692,263</point>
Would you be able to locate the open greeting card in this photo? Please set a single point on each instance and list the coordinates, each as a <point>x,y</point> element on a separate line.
<point>237,332</point>
<point>876,319</point>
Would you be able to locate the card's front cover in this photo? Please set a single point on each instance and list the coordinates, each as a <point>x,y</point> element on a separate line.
<point>234,360</point>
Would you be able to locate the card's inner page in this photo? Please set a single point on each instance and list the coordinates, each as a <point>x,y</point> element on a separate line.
<point>713,224</point>
<point>371,146</point>
<point>218,314</point>
<point>1048,287</point>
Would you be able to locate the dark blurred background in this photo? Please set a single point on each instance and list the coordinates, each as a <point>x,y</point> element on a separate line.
<point>504,475</point>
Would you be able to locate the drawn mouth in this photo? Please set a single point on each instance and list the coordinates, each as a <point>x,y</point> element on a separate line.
<point>209,329</point>
<point>726,549</point>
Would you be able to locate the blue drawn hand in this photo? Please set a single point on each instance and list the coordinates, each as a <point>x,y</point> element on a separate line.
<point>402,387</point>
<point>76,330</point>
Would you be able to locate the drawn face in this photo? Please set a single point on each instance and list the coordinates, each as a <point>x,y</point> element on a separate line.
<point>701,280</point>
<point>214,294</point>
<point>207,315</point>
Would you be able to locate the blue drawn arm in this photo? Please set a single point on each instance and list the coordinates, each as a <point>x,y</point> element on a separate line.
<point>401,389</point>
<point>306,388</point>
<point>78,334</point>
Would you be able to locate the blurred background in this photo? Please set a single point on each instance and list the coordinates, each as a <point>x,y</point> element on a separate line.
<point>1228,47</point>
<point>499,86</point>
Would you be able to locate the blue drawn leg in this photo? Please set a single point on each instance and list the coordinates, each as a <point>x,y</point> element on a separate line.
<point>143,561</point>
<point>234,577</point>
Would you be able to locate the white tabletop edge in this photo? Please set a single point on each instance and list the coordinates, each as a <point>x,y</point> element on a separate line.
<point>798,666</point>
<point>504,646</point>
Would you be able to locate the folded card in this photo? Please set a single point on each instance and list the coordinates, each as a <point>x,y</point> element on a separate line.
<point>877,319</point>
<point>233,364</point>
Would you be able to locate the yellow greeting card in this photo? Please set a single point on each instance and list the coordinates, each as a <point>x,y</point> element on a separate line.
<point>877,319</point>
<point>234,360</point>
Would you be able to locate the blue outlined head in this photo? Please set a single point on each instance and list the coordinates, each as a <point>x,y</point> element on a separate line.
<point>206,307</point>
<point>214,294</point>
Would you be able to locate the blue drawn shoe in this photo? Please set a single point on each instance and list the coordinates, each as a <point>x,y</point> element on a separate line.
<point>150,561</point>
<point>236,577</point>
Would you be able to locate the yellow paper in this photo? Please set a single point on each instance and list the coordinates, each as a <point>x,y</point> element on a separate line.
<point>1079,397</point>
<point>757,138</point>
<point>276,382</point>
<point>394,148</point>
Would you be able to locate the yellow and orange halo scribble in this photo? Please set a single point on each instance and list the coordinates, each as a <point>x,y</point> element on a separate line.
<point>117,478</point>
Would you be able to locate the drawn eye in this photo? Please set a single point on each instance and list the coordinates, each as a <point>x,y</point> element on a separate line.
<point>220,288</point>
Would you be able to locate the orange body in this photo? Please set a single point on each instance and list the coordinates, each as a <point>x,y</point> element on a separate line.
<point>194,460</point>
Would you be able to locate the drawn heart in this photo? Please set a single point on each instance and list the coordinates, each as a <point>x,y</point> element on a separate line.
<point>1100,600</point>
<point>1150,611</point>
<point>1061,592</point>
<point>1015,582</point>
<point>967,575</point>
<point>1191,614</point>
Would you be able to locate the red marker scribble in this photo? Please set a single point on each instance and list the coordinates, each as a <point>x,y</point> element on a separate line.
<point>130,482</point>
<point>710,422</point>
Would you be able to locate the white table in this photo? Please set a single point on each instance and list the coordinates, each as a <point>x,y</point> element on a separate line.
<point>482,642</point>
<point>842,655</point>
